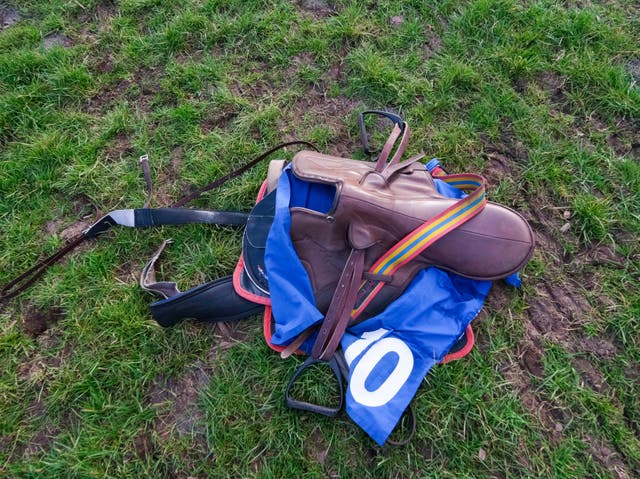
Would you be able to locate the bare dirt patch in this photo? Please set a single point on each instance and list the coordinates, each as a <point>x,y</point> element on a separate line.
<point>625,140</point>
<point>102,13</point>
<point>591,376</point>
<point>601,347</point>
<point>504,156</point>
<point>128,272</point>
<point>316,447</point>
<point>433,43</point>
<point>622,137</point>
<point>554,84</point>
<point>119,147</point>
<point>551,418</point>
<point>498,167</point>
<point>607,458</point>
<point>546,222</point>
<point>143,445</point>
<point>74,229</point>
<point>37,320</point>
<point>41,441</point>
<point>38,366</point>
<point>317,8</point>
<point>8,16</point>
<point>220,119</point>
<point>556,312</point>
<point>56,40</point>
<point>598,255</point>
<point>531,359</point>
<point>177,402</point>
<point>140,89</point>
<point>396,20</point>
<point>332,113</point>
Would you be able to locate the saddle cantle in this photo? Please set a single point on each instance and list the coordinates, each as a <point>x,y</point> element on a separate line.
<point>373,208</point>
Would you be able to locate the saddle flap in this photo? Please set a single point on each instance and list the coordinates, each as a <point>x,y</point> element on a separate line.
<point>361,234</point>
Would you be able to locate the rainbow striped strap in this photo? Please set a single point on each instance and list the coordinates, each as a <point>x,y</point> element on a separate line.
<point>425,235</point>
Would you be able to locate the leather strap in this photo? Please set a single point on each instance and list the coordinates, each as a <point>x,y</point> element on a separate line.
<point>16,286</point>
<point>294,345</point>
<point>410,412</point>
<point>381,164</point>
<point>234,174</point>
<point>404,140</point>
<point>146,172</point>
<point>390,170</point>
<point>339,312</point>
<point>386,149</point>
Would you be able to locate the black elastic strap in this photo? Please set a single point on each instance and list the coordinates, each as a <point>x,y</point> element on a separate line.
<point>146,217</point>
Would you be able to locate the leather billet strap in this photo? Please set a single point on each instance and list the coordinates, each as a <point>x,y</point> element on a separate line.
<point>339,313</point>
<point>235,173</point>
<point>18,284</point>
<point>386,149</point>
<point>411,415</point>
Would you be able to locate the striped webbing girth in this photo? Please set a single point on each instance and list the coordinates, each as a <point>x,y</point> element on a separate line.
<point>425,235</point>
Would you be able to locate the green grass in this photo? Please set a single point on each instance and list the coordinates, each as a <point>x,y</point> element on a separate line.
<point>204,86</point>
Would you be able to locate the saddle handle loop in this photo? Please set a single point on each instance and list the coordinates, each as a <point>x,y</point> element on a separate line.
<point>400,130</point>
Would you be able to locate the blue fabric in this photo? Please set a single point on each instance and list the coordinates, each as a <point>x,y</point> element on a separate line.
<point>389,354</point>
<point>292,301</point>
<point>429,317</point>
<point>315,196</point>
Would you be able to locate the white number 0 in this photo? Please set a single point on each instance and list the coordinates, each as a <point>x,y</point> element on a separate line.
<point>396,379</point>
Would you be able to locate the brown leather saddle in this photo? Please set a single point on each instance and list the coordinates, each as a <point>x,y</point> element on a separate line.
<point>376,208</point>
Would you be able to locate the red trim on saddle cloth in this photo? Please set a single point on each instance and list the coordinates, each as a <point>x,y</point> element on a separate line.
<point>464,351</point>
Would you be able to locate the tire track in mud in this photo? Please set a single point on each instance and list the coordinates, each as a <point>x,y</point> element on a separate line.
<point>557,310</point>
